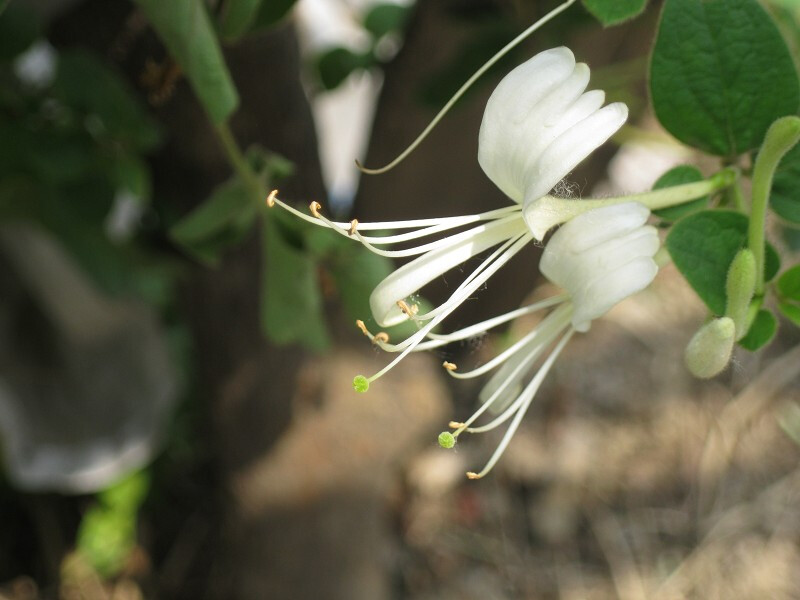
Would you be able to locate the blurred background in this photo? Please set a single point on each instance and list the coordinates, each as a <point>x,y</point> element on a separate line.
<point>177,418</point>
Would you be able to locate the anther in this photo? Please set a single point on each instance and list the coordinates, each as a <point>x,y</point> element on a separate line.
<point>363,328</point>
<point>315,207</point>
<point>449,366</point>
<point>380,337</point>
<point>409,311</point>
<point>455,425</point>
<point>353,227</point>
<point>471,475</point>
<point>271,198</point>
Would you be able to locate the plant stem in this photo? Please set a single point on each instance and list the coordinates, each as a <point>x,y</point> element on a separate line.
<point>239,162</point>
<point>545,213</point>
<point>782,135</point>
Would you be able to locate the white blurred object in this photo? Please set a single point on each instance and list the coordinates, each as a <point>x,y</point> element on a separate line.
<point>36,66</point>
<point>85,397</point>
<point>343,117</point>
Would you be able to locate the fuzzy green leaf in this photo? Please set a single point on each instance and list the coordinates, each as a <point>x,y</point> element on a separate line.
<point>761,331</point>
<point>702,246</point>
<point>720,74</point>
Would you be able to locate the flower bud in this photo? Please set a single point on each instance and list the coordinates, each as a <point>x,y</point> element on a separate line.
<point>709,351</point>
<point>740,286</point>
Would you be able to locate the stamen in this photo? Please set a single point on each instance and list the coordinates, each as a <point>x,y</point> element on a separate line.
<point>271,198</point>
<point>363,328</point>
<point>315,207</point>
<point>453,303</point>
<point>449,366</point>
<point>513,43</point>
<point>455,424</point>
<point>528,395</point>
<point>353,226</point>
<point>381,338</point>
<point>409,311</point>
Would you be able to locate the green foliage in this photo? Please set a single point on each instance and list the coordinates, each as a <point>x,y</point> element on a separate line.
<point>291,299</point>
<point>19,28</point>
<point>785,199</point>
<point>186,30</point>
<point>720,74</point>
<point>237,17</point>
<point>761,332</point>
<point>386,18</point>
<point>788,289</point>
<point>88,86</point>
<point>107,533</point>
<point>220,222</point>
<point>336,64</point>
<point>271,12</point>
<point>678,176</point>
<point>702,246</point>
<point>612,12</point>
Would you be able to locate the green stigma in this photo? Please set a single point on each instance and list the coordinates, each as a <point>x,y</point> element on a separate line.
<point>360,383</point>
<point>447,439</point>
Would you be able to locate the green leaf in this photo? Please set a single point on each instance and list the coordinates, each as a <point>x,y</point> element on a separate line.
<point>291,301</point>
<point>788,284</point>
<point>785,196</point>
<point>678,176</point>
<point>272,11</point>
<point>186,30</point>
<point>337,63</point>
<point>772,262</point>
<point>386,18</point>
<point>107,532</point>
<point>217,224</point>
<point>238,16</point>
<point>612,12</point>
<point>702,246</point>
<point>86,84</point>
<point>720,74</point>
<point>19,28</point>
<point>790,311</point>
<point>761,331</point>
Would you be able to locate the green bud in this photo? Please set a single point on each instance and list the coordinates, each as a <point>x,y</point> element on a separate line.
<point>740,286</point>
<point>360,383</point>
<point>709,351</point>
<point>447,439</point>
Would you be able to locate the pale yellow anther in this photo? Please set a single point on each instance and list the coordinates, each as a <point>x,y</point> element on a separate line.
<point>381,337</point>
<point>471,475</point>
<point>353,227</point>
<point>363,328</point>
<point>449,366</point>
<point>271,198</point>
<point>315,207</point>
<point>409,311</point>
<point>455,424</point>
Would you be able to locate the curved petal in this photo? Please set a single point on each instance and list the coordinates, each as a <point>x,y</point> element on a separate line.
<point>571,147</point>
<point>507,126</point>
<point>409,278</point>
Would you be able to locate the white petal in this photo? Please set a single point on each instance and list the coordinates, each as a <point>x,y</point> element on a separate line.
<point>570,148</point>
<point>601,257</point>
<point>409,278</point>
<point>507,127</point>
<point>602,294</point>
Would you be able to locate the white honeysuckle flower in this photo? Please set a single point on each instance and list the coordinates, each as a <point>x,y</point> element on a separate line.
<point>538,125</point>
